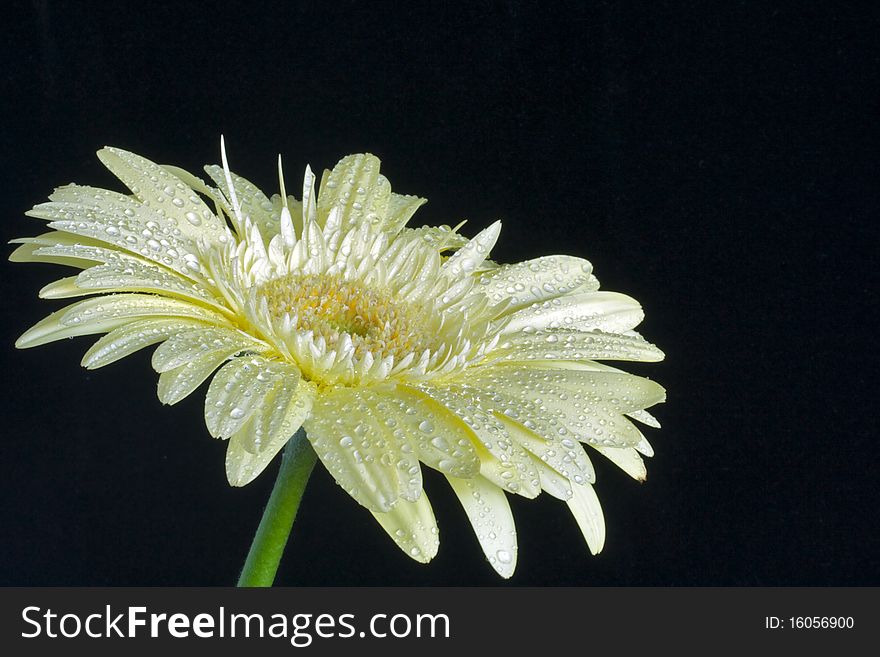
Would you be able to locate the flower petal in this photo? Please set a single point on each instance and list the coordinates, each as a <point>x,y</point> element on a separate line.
<point>32,249</point>
<point>607,311</point>
<point>82,252</point>
<point>503,460</point>
<point>645,417</point>
<point>131,337</point>
<point>413,528</point>
<point>254,204</point>
<point>406,460</point>
<point>441,440</point>
<point>127,226</point>
<point>401,208</point>
<point>562,344</point>
<point>564,455</point>
<point>105,313</point>
<point>583,405</point>
<point>584,506</point>
<point>522,284</point>
<point>360,456</point>
<point>185,346</point>
<point>123,273</point>
<point>239,389</point>
<point>122,221</point>
<point>469,257</point>
<point>176,384</point>
<point>644,447</point>
<point>356,187</point>
<point>625,458</point>
<point>554,483</point>
<point>442,238</point>
<point>489,512</point>
<point>159,188</point>
<point>254,446</point>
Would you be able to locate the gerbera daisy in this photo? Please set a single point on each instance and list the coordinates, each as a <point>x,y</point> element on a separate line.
<point>393,348</point>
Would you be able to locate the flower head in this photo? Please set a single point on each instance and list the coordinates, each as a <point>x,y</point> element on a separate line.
<point>394,348</point>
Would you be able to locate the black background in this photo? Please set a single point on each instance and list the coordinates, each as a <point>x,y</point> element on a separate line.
<point>716,162</point>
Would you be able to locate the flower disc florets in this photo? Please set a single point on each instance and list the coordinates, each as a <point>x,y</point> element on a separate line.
<point>347,315</point>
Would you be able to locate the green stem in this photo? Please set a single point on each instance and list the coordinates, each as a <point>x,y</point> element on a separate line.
<point>264,556</point>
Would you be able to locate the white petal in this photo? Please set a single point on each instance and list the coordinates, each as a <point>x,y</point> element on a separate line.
<point>63,288</point>
<point>288,408</point>
<point>402,455</point>
<point>564,344</point>
<point>239,389</point>
<point>413,528</point>
<point>441,440</point>
<point>559,404</point>
<point>554,483</point>
<point>77,247</point>
<point>356,187</point>
<point>564,455</point>
<point>105,313</point>
<point>177,384</point>
<point>288,232</point>
<point>238,217</point>
<point>357,452</point>
<point>127,274</point>
<point>645,417</point>
<point>123,224</point>
<point>32,251</point>
<point>309,208</point>
<point>625,458</point>
<point>441,238</point>
<point>253,447</point>
<point>644,447</point>
<point>133,336</point>
<point>129,269</point>
<point>401,208</point>
<point>525,283</point>
<point>185,346</point>
<point>517,475</point>
<point>159,188</point>
<point>507,463</point>
<point>487,509</point>
<point>584,506</point>
<point>607,311</point>
<point>469,257</point>
<point>254,204</point>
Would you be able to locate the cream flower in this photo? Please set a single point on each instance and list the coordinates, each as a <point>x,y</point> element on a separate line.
<point>392,347</point>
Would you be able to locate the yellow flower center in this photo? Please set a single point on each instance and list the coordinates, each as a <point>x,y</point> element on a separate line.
<point>332,307</point>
